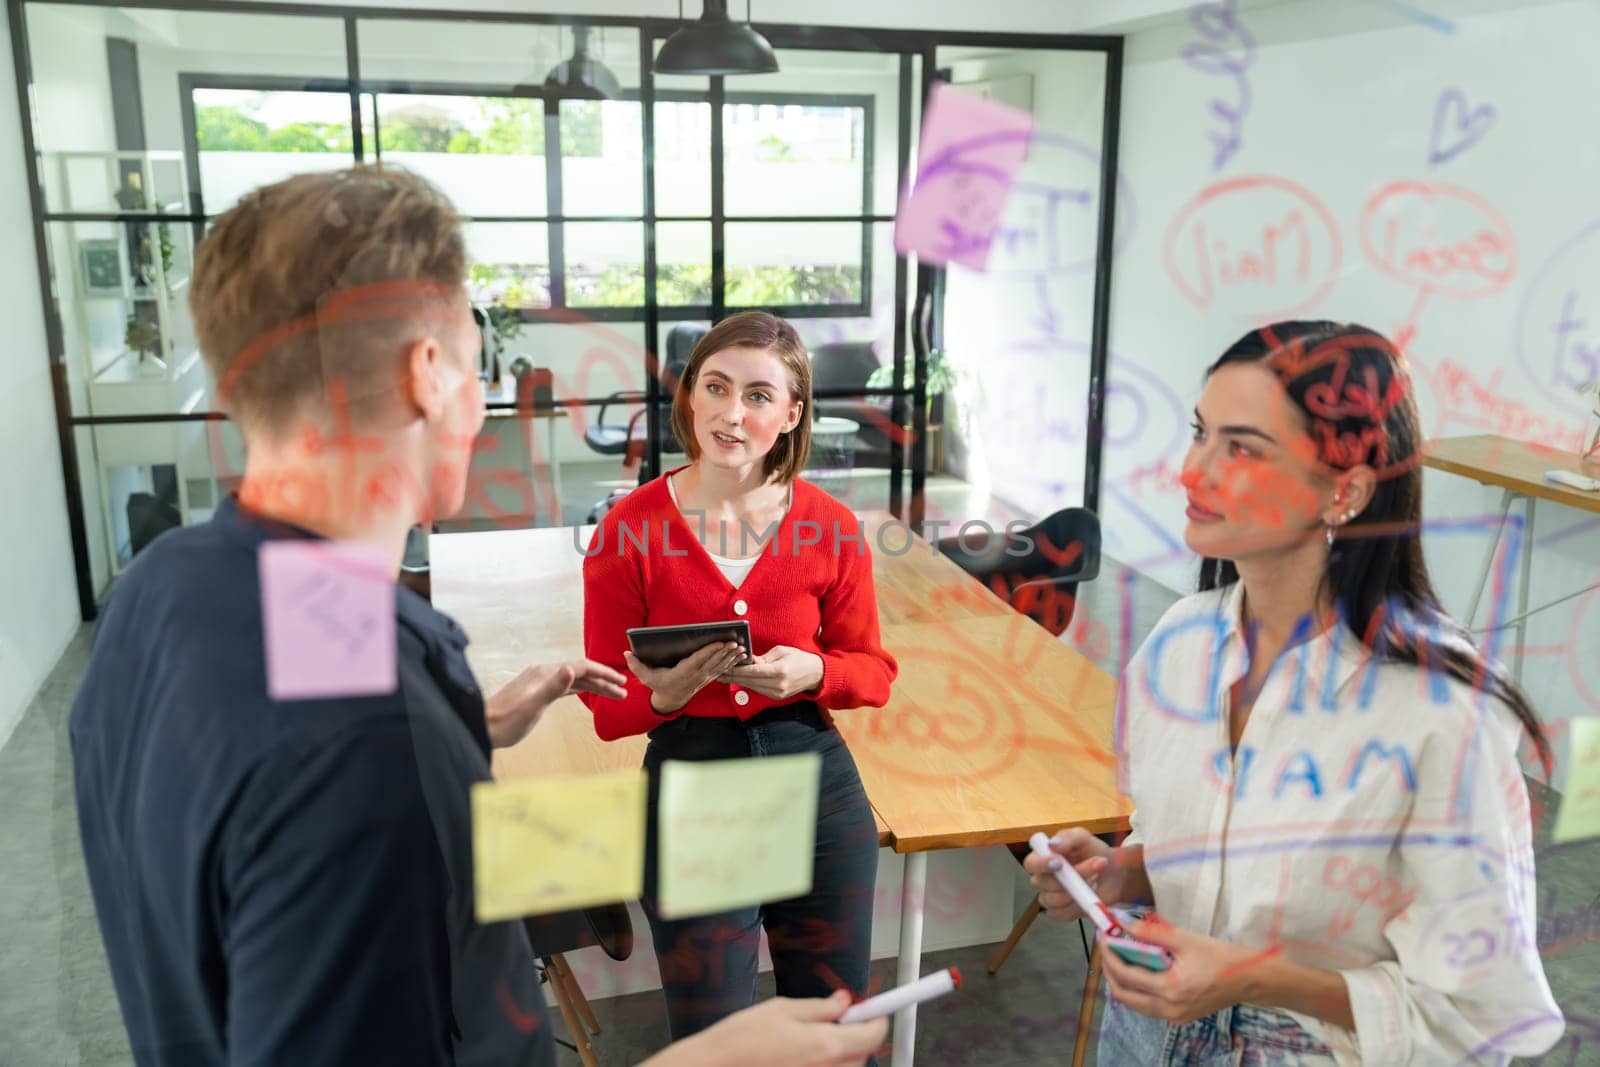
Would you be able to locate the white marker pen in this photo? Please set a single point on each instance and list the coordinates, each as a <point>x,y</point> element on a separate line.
<point>927,987</point>
<point>1077,888</point>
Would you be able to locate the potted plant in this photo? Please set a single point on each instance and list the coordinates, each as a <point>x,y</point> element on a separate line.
<point>144,340</point>
<point>504,323</point>
<point>942,378</point>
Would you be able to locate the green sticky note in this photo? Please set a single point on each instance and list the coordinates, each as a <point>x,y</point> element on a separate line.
<point>1579,815</point>
<point>554,844</point>
<point>736,832</point>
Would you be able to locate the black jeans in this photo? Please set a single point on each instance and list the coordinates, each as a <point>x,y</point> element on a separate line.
<point>819,942</point>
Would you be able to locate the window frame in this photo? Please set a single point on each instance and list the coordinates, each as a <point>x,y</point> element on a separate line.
<point>560,308</point>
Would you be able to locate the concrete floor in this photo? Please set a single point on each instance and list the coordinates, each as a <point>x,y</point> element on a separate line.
<point>57,1006</point>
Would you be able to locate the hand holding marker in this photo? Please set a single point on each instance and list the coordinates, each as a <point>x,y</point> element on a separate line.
<point>1151,957</point>
<point>927,987</point>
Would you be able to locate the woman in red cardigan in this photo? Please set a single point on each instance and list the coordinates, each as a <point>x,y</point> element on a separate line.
<point>736,534</point>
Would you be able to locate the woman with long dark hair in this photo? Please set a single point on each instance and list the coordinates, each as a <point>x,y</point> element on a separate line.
<point>1330,816</point>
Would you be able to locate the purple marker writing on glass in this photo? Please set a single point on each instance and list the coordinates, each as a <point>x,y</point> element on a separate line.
<point>1228,51</point>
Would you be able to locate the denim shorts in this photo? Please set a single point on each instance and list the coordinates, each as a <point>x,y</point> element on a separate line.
<point>1241,1036</point>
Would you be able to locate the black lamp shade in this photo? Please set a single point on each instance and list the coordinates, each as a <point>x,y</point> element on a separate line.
<point>716,45</point>
<point>583,76</point>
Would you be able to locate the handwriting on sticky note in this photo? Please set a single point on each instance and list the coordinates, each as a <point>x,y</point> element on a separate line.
<point>553,844</point>
<point>1579,815</point>
<point>736,832</point>
<point>327,619</point>
<point>966,163</point>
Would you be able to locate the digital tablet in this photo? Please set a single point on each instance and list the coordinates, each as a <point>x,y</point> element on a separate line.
<point>664,646</point>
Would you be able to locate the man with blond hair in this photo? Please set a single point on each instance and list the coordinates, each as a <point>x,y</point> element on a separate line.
<point>290,881</point>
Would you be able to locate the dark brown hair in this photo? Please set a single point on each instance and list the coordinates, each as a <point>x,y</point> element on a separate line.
<point>311,288</point>
<point>765,331</point>
<point>1353,390</point>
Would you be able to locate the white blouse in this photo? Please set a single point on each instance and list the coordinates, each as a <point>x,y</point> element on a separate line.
<point>1374,821</point>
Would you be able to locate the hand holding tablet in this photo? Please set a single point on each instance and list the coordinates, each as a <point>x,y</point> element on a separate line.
<point>662,647</point>
<point>676,662</point>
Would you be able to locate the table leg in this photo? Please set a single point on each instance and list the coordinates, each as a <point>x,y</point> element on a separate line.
<point>1488,558</point>
<point>912,889</point>
<point>1523,585</point>
<point>555,470</point>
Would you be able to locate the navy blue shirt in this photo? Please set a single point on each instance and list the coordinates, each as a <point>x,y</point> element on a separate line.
<point>287,882</point>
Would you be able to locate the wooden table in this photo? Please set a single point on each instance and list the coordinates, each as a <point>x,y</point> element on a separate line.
<point>994,728</point>
<point>1518,469</point>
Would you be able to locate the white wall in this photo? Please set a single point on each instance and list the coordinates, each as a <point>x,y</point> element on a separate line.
<point>39,607</point>
<point>1341,104</point>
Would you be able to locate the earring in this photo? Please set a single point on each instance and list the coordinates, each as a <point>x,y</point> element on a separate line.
<point>1339,520</point>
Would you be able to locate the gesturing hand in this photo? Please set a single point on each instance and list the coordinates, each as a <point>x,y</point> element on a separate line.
<point>517,707</point>
<point>672,687</point>
<point>779,673</point>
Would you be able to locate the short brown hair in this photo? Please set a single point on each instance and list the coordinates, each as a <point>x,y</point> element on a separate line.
<point>306,286</point>
<point>765,331</point>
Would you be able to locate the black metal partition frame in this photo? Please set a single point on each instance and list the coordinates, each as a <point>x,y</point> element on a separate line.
<point>905,43</point>
<point>554,215</point>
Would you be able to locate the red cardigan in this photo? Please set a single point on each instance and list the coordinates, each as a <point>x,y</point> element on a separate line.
<point>811,589</point>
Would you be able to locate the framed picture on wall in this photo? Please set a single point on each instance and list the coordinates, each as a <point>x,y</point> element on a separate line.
<point>101,261</point>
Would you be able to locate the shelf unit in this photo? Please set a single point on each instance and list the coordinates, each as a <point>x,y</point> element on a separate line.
<point>111,276</point>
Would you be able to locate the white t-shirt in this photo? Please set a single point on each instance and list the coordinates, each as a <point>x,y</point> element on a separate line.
<point>735,570</point>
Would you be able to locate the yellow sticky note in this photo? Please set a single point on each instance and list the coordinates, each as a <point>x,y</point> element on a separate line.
<point>736,832</point>
<point>553,844</point>
<point>1579,814</point>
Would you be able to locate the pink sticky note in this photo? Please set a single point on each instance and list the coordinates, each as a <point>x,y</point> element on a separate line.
<point>967,160</point>
<point>327,616</point>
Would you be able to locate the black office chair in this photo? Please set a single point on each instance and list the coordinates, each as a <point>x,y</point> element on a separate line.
<point>628,439</point>
<point>1041,583</point>
<point>848,365</point>
<point>611,438</point>
<point>607,926</point>
<point>415,572</point>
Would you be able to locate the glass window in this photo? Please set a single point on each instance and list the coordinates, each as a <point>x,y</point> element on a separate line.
<point>683,157</point>
<point>508,264</point>
<point>784,264</point>
<point>683,264</point>
<point>604,264</point>
<point>487,153</point>
<point>602,157</point>
<point>245,138</point>
<point>794,159</point>
<point>491,155</point>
